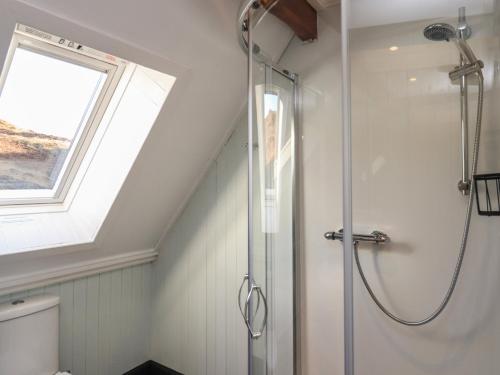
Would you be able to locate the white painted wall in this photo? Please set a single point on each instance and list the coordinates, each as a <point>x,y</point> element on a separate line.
<point>104,320</point>
<point>197,327</point>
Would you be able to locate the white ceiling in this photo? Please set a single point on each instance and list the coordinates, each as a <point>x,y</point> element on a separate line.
<point>382,12</point>
<point>194,40</point>
<point>323,4</point>
<point>366,13</point>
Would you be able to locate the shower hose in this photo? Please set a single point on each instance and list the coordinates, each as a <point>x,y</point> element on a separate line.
<point>465,234</point>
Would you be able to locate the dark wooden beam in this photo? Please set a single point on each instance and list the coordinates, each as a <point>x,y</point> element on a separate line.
<point>298,14</point>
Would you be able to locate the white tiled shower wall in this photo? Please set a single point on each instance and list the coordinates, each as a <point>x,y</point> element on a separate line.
<point>406,164</point>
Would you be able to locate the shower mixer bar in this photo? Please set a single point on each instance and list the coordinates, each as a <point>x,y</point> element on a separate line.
<point>461,73</point>
<point>464,184</point>
<point>469,65</point>
<point>375,237</point>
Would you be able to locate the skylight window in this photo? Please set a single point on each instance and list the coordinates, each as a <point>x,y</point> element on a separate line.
<point>52,97</point>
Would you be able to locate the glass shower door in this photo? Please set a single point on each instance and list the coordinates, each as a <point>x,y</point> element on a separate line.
<point>273,174</point>
<point>269,306</point>
<point>268,294</point>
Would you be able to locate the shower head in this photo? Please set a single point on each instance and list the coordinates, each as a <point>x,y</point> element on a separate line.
<point>440,31</point>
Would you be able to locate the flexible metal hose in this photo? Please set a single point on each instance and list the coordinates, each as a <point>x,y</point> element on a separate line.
<point>465,234</point>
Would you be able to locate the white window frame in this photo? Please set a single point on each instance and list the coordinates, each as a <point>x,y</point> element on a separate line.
<point>72,52</point>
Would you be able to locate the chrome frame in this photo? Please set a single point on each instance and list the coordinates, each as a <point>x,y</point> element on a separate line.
<point>250,15</point>
<point>469,64</point>
<point>347,192</point>
<point>296,219</point>
<point>464,183</point>
<point>258,12</point>
<point>249,320</point>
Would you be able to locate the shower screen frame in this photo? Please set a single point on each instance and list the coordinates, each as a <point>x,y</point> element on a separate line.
<point>250,16</point>
<point>348,247</point>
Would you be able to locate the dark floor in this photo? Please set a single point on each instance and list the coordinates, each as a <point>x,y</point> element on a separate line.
<point>152,368</point>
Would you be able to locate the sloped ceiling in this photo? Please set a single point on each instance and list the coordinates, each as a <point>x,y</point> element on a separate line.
<point>197,40</point>
<point>200,36</point>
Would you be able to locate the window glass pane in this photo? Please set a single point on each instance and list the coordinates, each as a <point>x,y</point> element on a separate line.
<point>44,106</point>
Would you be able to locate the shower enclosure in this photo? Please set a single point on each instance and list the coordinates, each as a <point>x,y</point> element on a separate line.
<point>417,127</point>
<point>267,296</point>
<point>397,103</point>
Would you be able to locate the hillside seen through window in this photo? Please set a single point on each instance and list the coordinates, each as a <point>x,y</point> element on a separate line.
<point>45,103</point>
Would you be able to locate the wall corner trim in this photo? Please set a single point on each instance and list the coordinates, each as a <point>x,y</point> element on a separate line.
<point>75,270</point>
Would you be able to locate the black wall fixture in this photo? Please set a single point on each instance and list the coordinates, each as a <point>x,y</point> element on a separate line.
<point>488,194</point>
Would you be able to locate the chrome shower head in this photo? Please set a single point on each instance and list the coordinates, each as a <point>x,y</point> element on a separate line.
<point>440,31</point>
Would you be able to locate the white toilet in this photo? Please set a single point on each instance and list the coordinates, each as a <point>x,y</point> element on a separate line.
<point>29,336</point>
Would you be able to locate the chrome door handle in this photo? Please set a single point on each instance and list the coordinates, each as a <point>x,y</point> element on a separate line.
<point>245,279</point>
<point>245,313</point>
<point>258,289</point>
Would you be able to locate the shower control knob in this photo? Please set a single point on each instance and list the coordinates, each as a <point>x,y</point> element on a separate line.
<point>376,236</point>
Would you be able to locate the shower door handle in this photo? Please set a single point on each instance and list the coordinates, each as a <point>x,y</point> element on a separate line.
<point>245,313</point>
